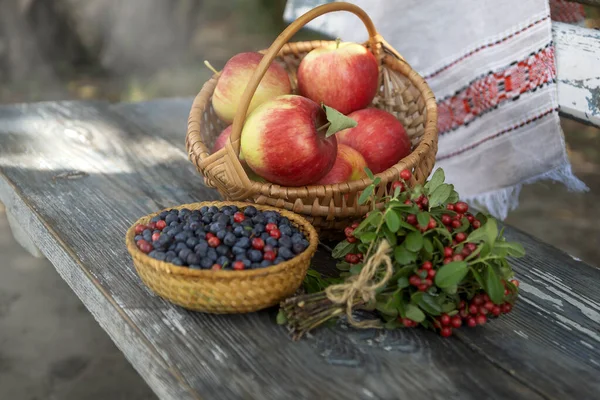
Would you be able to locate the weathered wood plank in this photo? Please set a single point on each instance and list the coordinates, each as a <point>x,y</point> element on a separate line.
<point>578,64</point>
<point>80,173</point>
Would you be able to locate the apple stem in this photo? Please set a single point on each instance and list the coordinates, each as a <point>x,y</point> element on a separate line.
<point>325,126</point>
<point>209,66</point>
<point>337,43</point>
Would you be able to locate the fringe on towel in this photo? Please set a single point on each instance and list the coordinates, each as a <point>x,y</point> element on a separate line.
<point>498,203</point>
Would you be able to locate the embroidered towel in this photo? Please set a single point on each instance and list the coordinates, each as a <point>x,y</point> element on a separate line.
<point>491,66</point>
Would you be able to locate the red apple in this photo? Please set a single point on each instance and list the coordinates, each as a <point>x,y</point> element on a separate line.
<point>234,79</point>
<point>349,166</point>
<point>281,141</point>
<point>379,137</point>
<point>343,76</point>
<point>222,139</point>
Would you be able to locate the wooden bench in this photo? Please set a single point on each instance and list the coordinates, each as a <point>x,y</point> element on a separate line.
<point>75,175</point>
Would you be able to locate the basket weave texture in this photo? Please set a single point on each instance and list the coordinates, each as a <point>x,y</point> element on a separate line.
<point>224,292</point>
<point>329,208</point>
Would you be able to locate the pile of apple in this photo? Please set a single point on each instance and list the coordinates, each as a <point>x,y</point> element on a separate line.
<point>290,139</point>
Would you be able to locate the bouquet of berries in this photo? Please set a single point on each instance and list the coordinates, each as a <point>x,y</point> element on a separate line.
<point>419,257</point>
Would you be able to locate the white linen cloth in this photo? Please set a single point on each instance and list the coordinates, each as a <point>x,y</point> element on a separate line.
<point>491,66</point>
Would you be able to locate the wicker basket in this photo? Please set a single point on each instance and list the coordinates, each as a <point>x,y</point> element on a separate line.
<point>328,207</point>
<point>224,291</point>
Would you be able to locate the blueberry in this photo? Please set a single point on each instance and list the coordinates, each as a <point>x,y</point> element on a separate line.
<point>195,266</point>
<point>138,237</point>
<point>243,242</point>
<point>157,245</point>
<point>224,219</point>
<point>203,209</point>
<point>238,250</point>
<point>234,209</point>
<point>285,230</point>
<point>247,263</point>
<point>181,236</point>
<point>147,234</point>
<point>177,261</point>
<point>160,255</point>
<point>259,228</point>
<point>297,238</point>
<point>186,227</point>
<point>152,254</point>
<point>184,253</point>
<point>240,256</point>
<point>264,236</point>
<point>254,255</point>
<point>221,234</point>
<point>285,253</point>
<point>155,219</point>
<point>304,242</point>
<point>230,239</point>
<point>174,224</point>
<point>265,263</point>
<point>200,234</point>
<point>227,210</point>
<point>271,241</point>
<point>207,218</point>
<point>213,209</point>
<point>171,218</point>
<point>285,241</point>
<point>171,247</point>
<point>163,215</point>
<point>184,212</point>
<point>175,230</point>
<point>223,261</point>
<point>206,263</point>
<point>171,253</point>
<point>278,260</point>
<point>284,221</point>
<point>201,248</point>
<point>250,211</point>
<point>165,240</point>
<point>223,250</point>
<point>258,219</point>
<point>192,259</point>
<point>298,248</point>
<point>216,216</point>
<point>191,242</point>
<point>194,225</point>
<point>169,257</point>
<point>216,227</point>
<point>212,254</point>
<point>238,231</point>
<point>180,246</point>
<point>255,265</point>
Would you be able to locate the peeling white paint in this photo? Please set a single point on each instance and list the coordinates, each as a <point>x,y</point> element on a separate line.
<point>586,344</point>
<point>368,393</point>
<point>218,353</point>
<point>522,334</point>
<point>588,332</point>
<point>575,258</point>
<point>174,319</point>
<point>538,293</point>
<point>594,362</point>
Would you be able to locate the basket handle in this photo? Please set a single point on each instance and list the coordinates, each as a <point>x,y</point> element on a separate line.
<point>374,41</point>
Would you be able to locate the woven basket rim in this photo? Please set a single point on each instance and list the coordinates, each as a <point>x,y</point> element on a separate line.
<point>172,269</point>
<point>390,60</point>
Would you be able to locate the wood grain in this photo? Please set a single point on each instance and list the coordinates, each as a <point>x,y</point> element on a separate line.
<point>125,161</point>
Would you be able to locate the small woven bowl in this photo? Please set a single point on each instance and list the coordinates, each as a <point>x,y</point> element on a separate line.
<point>224,292</point>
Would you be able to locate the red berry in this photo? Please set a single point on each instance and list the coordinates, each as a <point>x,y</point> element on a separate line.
<point>496,311</point>
<point>448,252</point>
<point>144,246</point>
<point>458,217</point>
<point>348,231</point>
<point>473,309</point>
<point>515,282</point>
<point>422,273</point>
<point>424,201</point>
<point>408,202</point>
<point>431,273</point>
<point>209,235</point>
<point>427,281</point>
<point>423,287</point>
<point>270,226</point>
<point>470,218</point>
<point>161,225</point>
<point>485,297</point>
<point>216,267</point>
<point>269,248</point>
<point>506,308</point>
<point>481,319</point>
<point>214,241</point>
<point>427,265</point>
<point>447,260</point>
<point>238,265</point>
<point>477,299</point>
<point>411,219</point>
<point>152,225</point>
<point>269,255</point>
<point>432,224</point>
<point>471,246</point>
<point>258,243</point>
<point>155,236</point>
<point>446,331</point>
<point>465,252</point>
<point>456,321</point>
<point>405,174</point>
<point>409,323</point>
<point>489,305</point>
<point>506,292</point>
<point>455,224</point>
<point>471,322</point>
<point>275,233</point>
<point>461,207</point>
<point>457,257</point>
<point>352,258</point>
<point>139,229</point>
<point>351,239</point>
<point>462,304</point>
<point>476,224</point>
<point>460,237</point>
<point>238,217</point>
<point>464,313</point>
<point>398,184</point>
<point>483,310</point>
<point>445,319</point>
<point>446,219</point>
<point>360,256</point>
<point>450,207</point>
<point>414,280</point>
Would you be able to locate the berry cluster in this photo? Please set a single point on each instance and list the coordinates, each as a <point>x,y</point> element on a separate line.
<point>220,238</point>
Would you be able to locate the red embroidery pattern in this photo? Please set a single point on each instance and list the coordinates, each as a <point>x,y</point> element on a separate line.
<point>498,134</point>
<point>489,91</point>
<point>565,11</point>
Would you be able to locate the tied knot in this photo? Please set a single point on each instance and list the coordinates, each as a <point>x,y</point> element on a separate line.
<point>364,286</point>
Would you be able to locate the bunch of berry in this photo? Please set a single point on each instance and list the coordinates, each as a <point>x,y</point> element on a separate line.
<point>220,238</point>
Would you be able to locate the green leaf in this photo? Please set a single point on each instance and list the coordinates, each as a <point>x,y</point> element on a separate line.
<point>463,228</point>
<point>356,268</point>
<point>513,249</point>
<point>439,245</point>
<point>448,307</point>
<point>423,219</point>
<point>429,304</point>
<point>451,274</point>
<point>391,305</point>
<point>451,289</point>
<point>369,173</point>
<point>338,121</point>
<point>436,180</point>
<point>367,237</point>
<point>453,197</point>
<point>403,256</point>
<point>442,232</point>
<point>491,230</point>
<point>376,181</point>
<point>427,246</point>
<point>405,271</point>
<point>392,220</point>
<point>281,318</point>
<point>364,196</point>
<point>343,266</point>
<point>414,313</point>
<point>342,248</point>
<point>391,237</point>
<point>403,282</point>
<point>374,218</point>
<point>406,225</point>
<point>414,241</point>
<point>397,192</point>
<point>481,218</point>
<point>477,235</point>
<point>477,277</point>
<point>392,324</point>
<point>440,195</point>
<point>493,286</point>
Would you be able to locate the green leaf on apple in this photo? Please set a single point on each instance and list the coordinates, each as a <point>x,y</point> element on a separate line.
<point>337,121</point>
